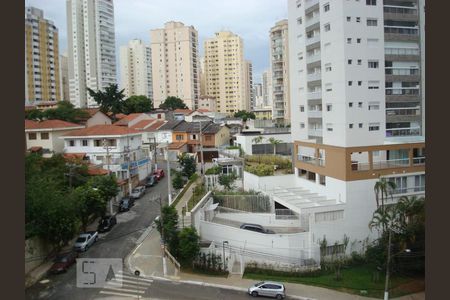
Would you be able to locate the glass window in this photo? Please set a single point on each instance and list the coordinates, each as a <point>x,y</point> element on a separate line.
<point>372,22</point>
<point>84,143</point>
<point>32,136</point>
<point>44,136</point>
<point>71,143</point>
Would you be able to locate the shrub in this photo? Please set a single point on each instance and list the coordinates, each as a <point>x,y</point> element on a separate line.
<point>213,171</point>
<point>270,159</point>
<point>177,182</point>
<point>233,147</point>
<point>260,170</point>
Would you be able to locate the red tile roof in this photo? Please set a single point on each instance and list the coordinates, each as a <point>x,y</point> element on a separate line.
<point>174,146</point>
<point>74,155</point>
<point>127,118</point>
<point>94,171</point>
<point>202,110</point>
<point>35,149</point>
<point>49,124</point>
<point>155,126</point>
<point>183,111</point>
<point>102,130</point>
<point>142,124</point>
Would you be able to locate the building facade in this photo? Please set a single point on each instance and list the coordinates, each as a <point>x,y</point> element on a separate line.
<point>136,69</point>
<point>208,103</point>
<point>91,48</point>
<point>64,63</point>
<point>267,87</point>
<point>175,63</point>
<point>249,93</point>
<point>340,97</point>
<point>257,90</point>
<point>42,69</point>
<point>279,62</point>
<point>225,71</point>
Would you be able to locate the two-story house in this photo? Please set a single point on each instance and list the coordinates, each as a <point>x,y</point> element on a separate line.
<point>117,149</point>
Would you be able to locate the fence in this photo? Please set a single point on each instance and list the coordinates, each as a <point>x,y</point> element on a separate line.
<point>248,203</point>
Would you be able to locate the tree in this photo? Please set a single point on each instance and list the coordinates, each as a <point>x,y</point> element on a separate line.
<point>274,143</point>
<point>137,104</point>
<point>383,187</point>
<point>188,164</point>
<point>89,202</point>
<point>110,100</point>
<point>245,115</point>
<point>106,185</point>
<point>189,246</point>
<point>65,111</point>
<point>227,180</point>
<point>34,114</point>
<point>167,227</point>
<point>173,103</point>
<point>177,181</point>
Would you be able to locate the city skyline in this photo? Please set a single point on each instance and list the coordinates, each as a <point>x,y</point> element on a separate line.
<point>132,22</point>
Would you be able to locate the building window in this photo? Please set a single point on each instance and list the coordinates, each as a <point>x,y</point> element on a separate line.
<point>349,40</point>
<point>329,216</point>
<point>358,19</point>
<point>371,2</point>
<point>179,137</point>
<point>302,125</point>
<point>374,85</point>
<point>374,126</point>
<point>44,136</point>
<point>113,142</point>
<point>71,143</point>
<point>84,143</point>
<point>302,108</point>
<point>360,104</point>
<point>299,21</point>
<point>359,62</point>
<point>32,136</point>
<point>349,61</point>
<point>329,107</point>
<point>360,125</point>
<point>350,125</point>
<point>326,7</point>
<point>350,83</point>
<point>98,143</point>
<point>327,27</point>
<point>329,127</point>
<point>327,67</point>
<point>358,40</point>
<point>372,22</point>
<point>374,105</point>
<point>359,83</point>
<point>373,64</point>
<point>349,19</point>
<point>350,104</point>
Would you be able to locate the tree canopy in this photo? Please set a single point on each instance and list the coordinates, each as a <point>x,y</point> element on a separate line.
<point>137,104</point>
<point>65,111</point>
<point>188,164</point>
<point>110,100</point>
<point>173,103</point>
<point>245,115</point>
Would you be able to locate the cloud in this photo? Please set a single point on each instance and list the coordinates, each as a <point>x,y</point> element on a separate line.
<point>251,19</point>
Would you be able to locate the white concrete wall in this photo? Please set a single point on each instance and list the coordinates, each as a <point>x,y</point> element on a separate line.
<point>98,119</point>
<point>266,183</point>
<point>246,141</point>
<point>268,220</point>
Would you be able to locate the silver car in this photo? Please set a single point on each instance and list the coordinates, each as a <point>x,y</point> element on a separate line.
<point>137,192</point>
<point>268,289</point>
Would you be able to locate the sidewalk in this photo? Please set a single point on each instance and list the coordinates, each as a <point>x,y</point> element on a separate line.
<point>147,258</point>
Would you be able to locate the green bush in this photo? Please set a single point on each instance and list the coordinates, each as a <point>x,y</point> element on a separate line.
<point>213,171</point>
<point>177,182</point>
<point>233,147</point>
<point>193,177</point>
<point>260,170</point>
<point>270,159</point>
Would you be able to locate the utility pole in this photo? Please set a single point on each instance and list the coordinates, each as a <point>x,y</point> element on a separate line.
<point>106,145</point>
<point>386,285</point>
<point>201,149</point>
<point>128,164</point>
<point>169,182</point>
<point>162,237</point>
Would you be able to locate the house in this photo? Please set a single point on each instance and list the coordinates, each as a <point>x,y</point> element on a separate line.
<point>95,117</point>
<point>213,136</point>
<point>180,114</point>
<point>264,113</point>
<point>207,102</point>
<point>161,114</point>
<point>164,133</point>
<point>43,136</point>
<point>151,137</point>
<point>197,116</point>
<point>110,147</point>
<point>132,119</point>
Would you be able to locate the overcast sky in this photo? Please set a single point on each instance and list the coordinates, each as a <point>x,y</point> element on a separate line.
<point>251,19</point>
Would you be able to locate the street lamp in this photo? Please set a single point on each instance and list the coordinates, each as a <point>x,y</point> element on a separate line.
<point>223,248</point>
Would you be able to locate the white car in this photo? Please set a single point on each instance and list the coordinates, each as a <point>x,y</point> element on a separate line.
<point>137,192</point>
<point>85,240</point>
<point>268,289</point>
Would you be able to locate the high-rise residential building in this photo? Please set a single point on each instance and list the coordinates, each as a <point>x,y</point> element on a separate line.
<point>404,61</point>
<point>249,93</point>
<point>267,87</point>
<point>257,90</point>
<point>91,47</point>
<point>42,73</point>
<point>175,63</point>
<point>225,71</point>
<point>136,69</point>
<point>64,63</point>
<point>202,77</point>
<point>279,62</point>
<point>349,63</point>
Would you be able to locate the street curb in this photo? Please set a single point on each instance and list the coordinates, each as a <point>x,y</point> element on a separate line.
<point>222,286</point>
<point>139,242</point>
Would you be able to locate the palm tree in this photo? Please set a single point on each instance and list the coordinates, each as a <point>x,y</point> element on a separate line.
<point>384,188</point>
<point>274,143</point>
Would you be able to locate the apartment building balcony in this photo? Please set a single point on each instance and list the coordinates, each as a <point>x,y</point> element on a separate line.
<point>311,160</point>
<point>312,22</point>
<point>311,5</point>
<point>314,114</point>
<point>313,40</point>
<point>315,132</point>
<point>314,95</point>
<point>411,131</point>
<point>313,58</point>
<point>403,118</point>
<point>402,54</point>
<point>402,74</point>
<point>316,76</point>
<point>401,37</point>
<point>277,74</point>
<point>278,91</point>
<point>400,13</point>
<point>277,69</point>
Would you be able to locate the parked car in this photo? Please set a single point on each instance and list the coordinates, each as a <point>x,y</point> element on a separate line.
<point>125,204</point>
<point>151,181</point>
<point>268,289</point>
<point>137,192</point>
<point>159,173</point>
<point>106,223</point>
<point>256,228</point>
<point>63,261</point>
<point>85,240</point>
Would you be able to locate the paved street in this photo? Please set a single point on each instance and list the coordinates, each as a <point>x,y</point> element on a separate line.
<point>115,244</point>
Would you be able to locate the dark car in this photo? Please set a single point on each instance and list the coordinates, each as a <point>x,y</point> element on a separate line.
<point>159,173</point>
<point>63,261</point>
<point>256,228</point>
<point>106,223</point>
<point>125,204</point>
<point>151,181</point>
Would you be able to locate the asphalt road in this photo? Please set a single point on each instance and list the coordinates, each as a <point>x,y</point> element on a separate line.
<point>117,243</point>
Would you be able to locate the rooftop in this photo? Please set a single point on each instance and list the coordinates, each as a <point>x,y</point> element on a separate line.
<point>50,124</point>
<point>103,130</point>
<point>127,118</point>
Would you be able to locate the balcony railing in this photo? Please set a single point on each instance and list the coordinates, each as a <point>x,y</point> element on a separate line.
<point>314,95</point>
<point>392,163</point>
<point>311,160</point>
<point>313,20</point>
<point>401,71</point>
<point>315,132</point>
<point>400,10</point>
<point>402,131</point>
<point>403,111</point>
<point>401,30</point>
<point>402,91</point>
<point>419,161</point>
<point>315,114</point>
<point>408,190</point>
<point>313,58</point>
<point>309,3</point>
<point>313,39</point>
<point>314,76</point>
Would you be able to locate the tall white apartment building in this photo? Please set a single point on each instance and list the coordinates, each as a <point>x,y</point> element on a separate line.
<point>225,71</point>
<point>91,47</point>
<point>279,62</point>
<point>257,90</point>
<point>249,93</point>
<point>135,69</point>
<point>175,63</point>
<point>348,64</point>
<point>42,70</point>
<point>267,87</point>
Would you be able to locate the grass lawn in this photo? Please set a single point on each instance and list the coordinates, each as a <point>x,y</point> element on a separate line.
<point>354,280</point>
